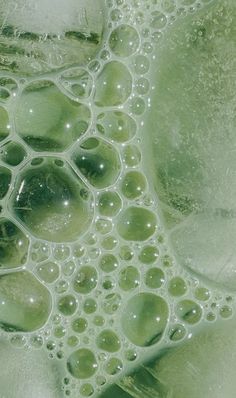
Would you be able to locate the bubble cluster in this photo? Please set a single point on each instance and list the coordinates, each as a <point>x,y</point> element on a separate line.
<point>86,269</point>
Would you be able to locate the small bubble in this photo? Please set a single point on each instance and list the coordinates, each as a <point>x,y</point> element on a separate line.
<point>68,268</point>
<point>149,254</point>
<point>109,203</point>
<point>67,305</point>
<point>103,226</point>
<point>154,278</point>
<point>124,41</point>
<point>137,106</point>
<point>177,332</point>
<point>85,280</point>
<point>86,390</point>
<point>79,325</point>
<point>129,278</point>
<point>82,363</point>
<point>113,366</point>
<point>202,294</point>
<point>177,287</point>
<point>189,311</point>
<point>108,263</point>
<point>131,155</point>
<point>109,243</point>
<point>72,341</point>
<point>126,253</point>
<point>226,312</point>
<point>108,341</point>
<point>141,64</point>
<point>90,306</point>
<point>130,355</point>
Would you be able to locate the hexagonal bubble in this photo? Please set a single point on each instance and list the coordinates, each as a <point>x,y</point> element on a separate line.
<point>13,245</point>
<point>113,85</point>
<point>25,304</point>
<point>116,125</point>
<point>12,153</point>
<point>78,82</point>
<point>52,201</point>
<point>98,161</point>
<point>39,37</point>
<point>47,120</point>
<point>4,124</point>
<point>5,180</point>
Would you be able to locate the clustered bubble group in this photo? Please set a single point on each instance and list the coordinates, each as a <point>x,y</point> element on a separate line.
<point>83,254</point>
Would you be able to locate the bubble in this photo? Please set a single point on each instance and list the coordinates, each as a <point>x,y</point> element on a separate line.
<point>144,319</point>
<point>77,82</point>
<point>158,20</point>
<point>98,161</point>
<point>124,41</point>
<point>86,390</point>
<point>133,184</point>
<point>130,355</point>
<point>61,252</point>
<point>59,332</point>
<point>5,180</point>
<point>108,283</point>
<point>48,272</point>
<point>226,312</point>
<point>113,85</point>
<point>90,306</point>
<point>129,278</point>
<point>103,226</point>
<point>108,263</point>
<point>100,380</point>
<point>149,254</point>
<point>136,224</point>
<point>18,341</point>
<point>142,86</point>
<point>137,106</point>
<point>47,120</point>
<point>67,305</point>
<point>51,345</point>
<point>36,341</point>
<point>211,317</point>
<point>109,243</point>
<point>116,126</point>
<point>131,155</point>
<point>111,303</point>
<point>79,325</point>
<point>85,280</point>
<point>12,153</point>
<point>109,203</point>
<point>68,268</point>
<point>113,366</point>
<point>108,341</point>
<point>72,341</point>
<point>177,332</point>
<point>82,364</point>
<point>47,201</point>
<point>4,124</point>
<point>78,250</point>
<point>98,320</point>
<point>61,287</point>
<point>189,311</point>
<point>25,304</point>
<point>177,287</point>
<point>13,245</point>
<point>154,278</point>
<point>116,15</point>
<point>202,294</point>
<point>141,65</point>
<point>126,253</point>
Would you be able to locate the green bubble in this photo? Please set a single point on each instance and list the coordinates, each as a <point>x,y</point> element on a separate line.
<point>124,40</point>
<point>131,155</point>
<point>109,203</point>
<point>136,224</point>
<point>48,272</point>
<point>79,325</point>
<point>67,305</point>
<point>129,278</point>
<point>82,364</point>
<point>4,124</point>
<point>177,332</point>
<point>144,319</point>
<point>202,294</point>
<point>98,161</point>
<point>25,304</point>
<point>189,311</point>
<point>5,180</point>
<point>108,341</point>
<point>113,366</point>
<point>113,85</point>
<point>154,278</point>
<point>12,153</point>
<point>90,306</point>
<point>47,200</point>
<point>85,280</point>
<point>149,254</point>
<point>111,303</point>
<point>13,245</point>
<point>177,287</point>
<point>108,263</point>
<point>117,126</point>
<point>133,184</point>
<point>47,120</point>
<point>86,390</point>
